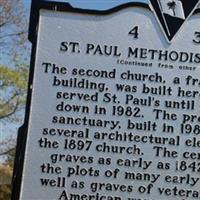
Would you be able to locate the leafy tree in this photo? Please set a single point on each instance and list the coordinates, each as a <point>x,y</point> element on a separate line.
<point>14,51</point>
<point>13,84</point>
<point>13,26</point>
<point>13,63</point>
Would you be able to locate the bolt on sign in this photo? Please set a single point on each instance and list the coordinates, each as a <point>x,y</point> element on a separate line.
<point>114,103</point>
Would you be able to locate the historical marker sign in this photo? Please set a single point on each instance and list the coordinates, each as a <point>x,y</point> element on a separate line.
<point>115,106</point>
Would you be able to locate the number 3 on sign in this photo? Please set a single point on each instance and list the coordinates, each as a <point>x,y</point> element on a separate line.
<point>197,39</point>
<point>134,32</point>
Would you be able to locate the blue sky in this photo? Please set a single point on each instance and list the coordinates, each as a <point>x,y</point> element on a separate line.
<point>93,4</point>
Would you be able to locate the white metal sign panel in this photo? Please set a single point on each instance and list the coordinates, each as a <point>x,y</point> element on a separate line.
<point>115,110</point>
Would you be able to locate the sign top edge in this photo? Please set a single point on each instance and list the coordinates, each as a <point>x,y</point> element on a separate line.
<point>66,7</point>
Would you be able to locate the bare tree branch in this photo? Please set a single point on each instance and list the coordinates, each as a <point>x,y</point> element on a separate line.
<point>7,151</point>
<point>13,34</point>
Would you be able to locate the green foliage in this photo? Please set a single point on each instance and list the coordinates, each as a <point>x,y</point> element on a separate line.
<point>16,77</point>
<point>14,51</point>
<point>13,26</point>
<point>13,84</point>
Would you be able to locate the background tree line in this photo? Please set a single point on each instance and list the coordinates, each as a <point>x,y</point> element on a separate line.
<point>14,61</point>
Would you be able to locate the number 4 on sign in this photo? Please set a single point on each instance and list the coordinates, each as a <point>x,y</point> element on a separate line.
<point>134,32</point>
